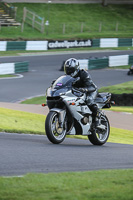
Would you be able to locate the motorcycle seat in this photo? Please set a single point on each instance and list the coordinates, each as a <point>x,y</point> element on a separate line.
<point>102,94</point>
<point>101,97</point>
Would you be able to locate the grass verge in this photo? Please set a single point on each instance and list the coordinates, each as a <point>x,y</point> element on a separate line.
<point>122,67</point>
<point>23,122</point>
<point>102,184</point>
<point>19,52</point>
<point>119,88</point>
<point>128,109</point>
<point>7,75</point>
<point>35,100</point>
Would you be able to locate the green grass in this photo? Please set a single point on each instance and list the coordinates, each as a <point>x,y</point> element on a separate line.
<point>23,122</point>
<point>121,136</point>
<point>128,109</point>
<point>121,67</point>
<point>35,100</point>
<point>73,15</point>
<point>6,76</point>
<point>102,184</point>
<point>19,52</point>
<point>119,88</point>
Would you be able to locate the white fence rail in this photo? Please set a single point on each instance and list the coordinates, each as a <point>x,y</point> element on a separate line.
<point>36,45</point>
<point>109,42</point>
<point>118,60</point>
<point>7,68</point>
<point>33,20</point>
<point>3,45</point>
<point>83,63</point>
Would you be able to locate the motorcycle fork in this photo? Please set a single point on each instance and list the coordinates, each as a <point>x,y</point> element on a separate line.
<point>61,118</point>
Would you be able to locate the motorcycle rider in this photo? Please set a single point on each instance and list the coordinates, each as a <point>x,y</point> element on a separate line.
<point>84,84</point>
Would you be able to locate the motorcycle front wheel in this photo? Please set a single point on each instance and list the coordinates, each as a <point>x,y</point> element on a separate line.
<point>54,132</point>
<point>98,136</point>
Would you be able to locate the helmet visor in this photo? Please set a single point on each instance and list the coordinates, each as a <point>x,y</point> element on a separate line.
<point>69,70</point>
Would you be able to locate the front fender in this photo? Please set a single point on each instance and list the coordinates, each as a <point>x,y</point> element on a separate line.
<point>58,110</point>
<point>61,114</point>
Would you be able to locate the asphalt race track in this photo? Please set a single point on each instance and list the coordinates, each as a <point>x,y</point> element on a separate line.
<point>21,154</point>
<point>43,69</point>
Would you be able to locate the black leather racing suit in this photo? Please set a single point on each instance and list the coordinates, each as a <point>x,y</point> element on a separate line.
<point>86,83</point>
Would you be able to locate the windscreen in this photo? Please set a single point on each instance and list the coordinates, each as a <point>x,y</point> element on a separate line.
<point>63,81</point>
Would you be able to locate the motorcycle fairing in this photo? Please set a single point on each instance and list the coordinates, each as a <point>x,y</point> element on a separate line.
<point>78,112</point>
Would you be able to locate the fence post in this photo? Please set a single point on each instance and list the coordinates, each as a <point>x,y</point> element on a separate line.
<point>64,28</point>
<point>82,26</point>
<point>42,25</point>
<point>100,26</point>
<point>15,12</point>
<point>33,20</point>
<point>117,24</point>
<point>24,16</point>
<point>22,26</point>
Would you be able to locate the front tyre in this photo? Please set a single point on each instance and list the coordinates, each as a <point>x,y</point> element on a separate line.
<point>54,132</point>
<point>98,136</point>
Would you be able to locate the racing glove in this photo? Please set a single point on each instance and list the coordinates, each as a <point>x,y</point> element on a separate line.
<point>82,89</point>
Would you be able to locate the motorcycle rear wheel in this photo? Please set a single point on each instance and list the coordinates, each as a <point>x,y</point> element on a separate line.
<point>99,137</point>
<point>54,133</point>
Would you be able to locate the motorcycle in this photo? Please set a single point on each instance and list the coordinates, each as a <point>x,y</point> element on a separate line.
<point>70,115</point>
<point>130,71</point>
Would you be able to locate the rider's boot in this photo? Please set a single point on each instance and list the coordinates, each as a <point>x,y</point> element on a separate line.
<point>96,115</point>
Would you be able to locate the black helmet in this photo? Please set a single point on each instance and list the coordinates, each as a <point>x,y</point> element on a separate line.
<point>71,67</point>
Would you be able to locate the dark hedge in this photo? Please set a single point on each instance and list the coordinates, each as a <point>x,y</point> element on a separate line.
<point>122,99</point>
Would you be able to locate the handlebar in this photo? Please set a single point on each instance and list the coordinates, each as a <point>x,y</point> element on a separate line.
<point>78,93</point>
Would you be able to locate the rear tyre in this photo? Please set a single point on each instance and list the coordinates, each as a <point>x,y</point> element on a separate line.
<point>54,132</point>
<point>98,136</point>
